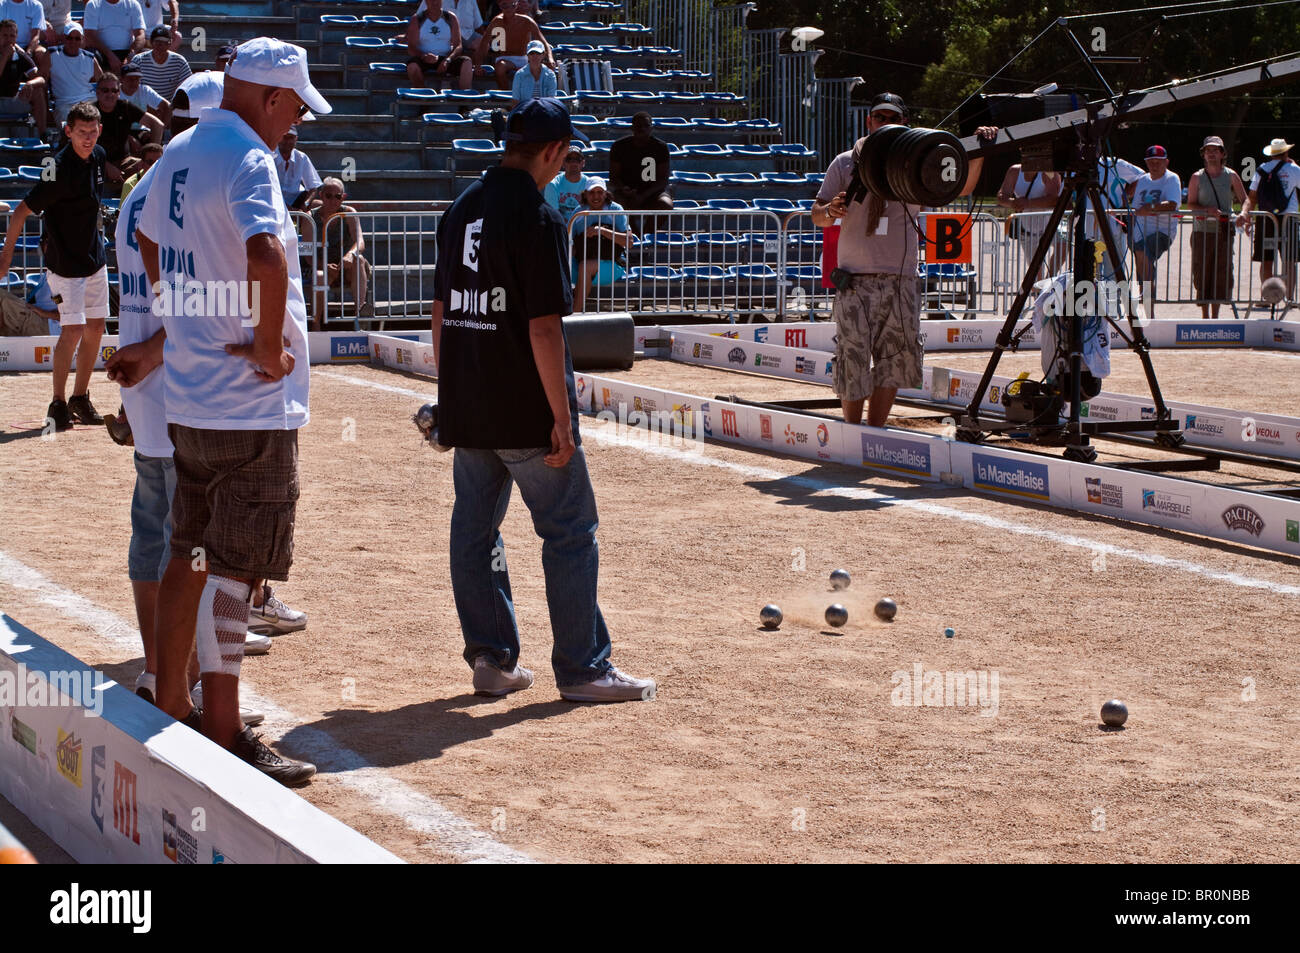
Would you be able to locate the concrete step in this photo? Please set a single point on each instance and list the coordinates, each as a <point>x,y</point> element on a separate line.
<point>352,128</point>
<point>408,185</point>
<point>366,156</point>
<point>241,27</point>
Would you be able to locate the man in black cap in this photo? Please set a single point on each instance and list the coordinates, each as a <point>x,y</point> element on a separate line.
<point>159,66</point>
<point>508,406</point>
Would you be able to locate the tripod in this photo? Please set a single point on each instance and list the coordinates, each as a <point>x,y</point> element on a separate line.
<point>1081,188</point>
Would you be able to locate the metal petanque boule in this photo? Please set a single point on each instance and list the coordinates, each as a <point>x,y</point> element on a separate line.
<point>836,615</point>
<point>1114,713</point>
<point>770,615</point>
<point>886,609</point>
<point>840,579</point>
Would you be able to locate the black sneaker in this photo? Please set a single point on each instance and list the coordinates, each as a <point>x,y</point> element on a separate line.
<point>83,411</point>
<point>194,719</point>
<point>58,414</point>
<point>290,773</point>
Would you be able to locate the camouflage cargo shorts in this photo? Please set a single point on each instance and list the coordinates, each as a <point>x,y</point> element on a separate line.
<point>878,343</point>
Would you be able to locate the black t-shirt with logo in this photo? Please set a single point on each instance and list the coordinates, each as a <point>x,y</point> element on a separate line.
<point>630,155</point>
<point>502,261</point>
<point>72,241</point>
<point>117,126</point>
<point>14,72</point>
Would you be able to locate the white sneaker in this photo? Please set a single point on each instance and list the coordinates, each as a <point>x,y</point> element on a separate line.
<point>146,686</point>
<point>613,686</point>
<point>491,680</point>
<point>249,716</point>
<point>273,617</point>
<point>256,643</point>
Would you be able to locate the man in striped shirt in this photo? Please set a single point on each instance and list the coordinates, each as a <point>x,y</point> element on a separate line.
<point>160,68</point>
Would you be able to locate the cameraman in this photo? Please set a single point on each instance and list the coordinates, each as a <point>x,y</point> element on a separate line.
<point>877,302</point>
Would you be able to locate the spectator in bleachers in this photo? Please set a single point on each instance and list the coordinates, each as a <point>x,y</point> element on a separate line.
<point>345,264</point>
<point>600,241</point>
<point>468,17</point>
<point>639,168</point>
<point>564,192</point>
<point>159,66</point>
<point>434,43</point>
<point>114,31</point>
<point>29,18</point>
<point>149,154</point>
<point>121,148</point>
<point>299,180</point>
<point>534,81</point>
<point>506,39</point>
<point>73,72</point>
<point>153,18</point>
<point>143,96</point>
<point>22,91</point>
<point>57,14</point>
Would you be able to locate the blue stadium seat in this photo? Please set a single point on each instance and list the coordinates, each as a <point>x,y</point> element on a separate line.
<point>815,178</point>
<point>555,26</point>
<point>706,149</point>
<point>753,272</point>
<point>23,144</point>
<point>691,98</point>
<point>675,151</point>
<point>587,124</point>
<point>723,97</point>
<point>365,42</point>
<point>601,146</point>
<point>388,67</point>
<point>719,247</point>
<point>696,274</point>
<point>655,273</point>
<point>689,74</point>
<point>12,279</point>
<point>740,149</point>
<point>465,95</point>
<point>477,147</point>
<point>805,204</point>
<point>581,146</point>
<point>411,92</point>
<point>692,178</point>
<point>780,206</point>
<point>758,125</point>
<point>339,19</point>
<point>384,20</point>
<point>666,247</point>
<point>32,173</point>
<point>601,96</point>
<point>635,98</point>
<point>680,204</point>
<point>784,178</point>
<point>7,175</point>
<point>447,119</point>
<point>636,28</point>
<point>728,205</point>
<point>500,95</point>
<point>672,122</point>
<point>739,178</point>
<point>721,125</point>
<point>574,49</point>
<point>794,150</point>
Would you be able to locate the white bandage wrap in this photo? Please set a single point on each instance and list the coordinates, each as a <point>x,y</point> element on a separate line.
<point>222,625</point>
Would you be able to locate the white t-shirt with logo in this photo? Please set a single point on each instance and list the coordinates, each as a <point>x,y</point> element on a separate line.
<point>1113,174</point>
<point>435,36</point>
<point>1290,176</point>
<point>136,322</point>
<point>1167,188</point>
<point>29,16</point>
<point>114,21</point>
<point>215,187</point>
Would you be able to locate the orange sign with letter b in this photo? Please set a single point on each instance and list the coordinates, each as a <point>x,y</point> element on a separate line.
<point>948,238</point>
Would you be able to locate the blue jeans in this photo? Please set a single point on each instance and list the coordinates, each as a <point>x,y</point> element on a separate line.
<point>563,508</point>
<point>151,518</point>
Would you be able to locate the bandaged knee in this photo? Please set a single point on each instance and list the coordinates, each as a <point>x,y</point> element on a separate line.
<point>222,626</point>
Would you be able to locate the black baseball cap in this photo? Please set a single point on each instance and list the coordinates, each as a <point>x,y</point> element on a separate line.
<point>541,120</point>
<point>890,103</point>
<point>130,69</point>
<point>161,33</point>
<point>226,51</point>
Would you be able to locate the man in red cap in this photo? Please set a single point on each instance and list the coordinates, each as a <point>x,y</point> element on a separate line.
<point>1156,197</point>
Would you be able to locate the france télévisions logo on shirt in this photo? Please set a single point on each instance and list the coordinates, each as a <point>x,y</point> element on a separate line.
<point>896,454</point>
<point>1020,478</point>
<point>1200,334</point>
<point>1243,517</point>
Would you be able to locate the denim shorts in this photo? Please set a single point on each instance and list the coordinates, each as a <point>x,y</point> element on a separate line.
<point>151,518</point>
<point>1154,244</point>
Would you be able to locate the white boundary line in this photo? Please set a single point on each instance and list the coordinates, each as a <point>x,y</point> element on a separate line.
<point>419,812</point>
<point>923,506</point>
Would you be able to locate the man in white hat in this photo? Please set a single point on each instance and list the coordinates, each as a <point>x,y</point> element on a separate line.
<point>1274,190</point>
<point>236,379</point>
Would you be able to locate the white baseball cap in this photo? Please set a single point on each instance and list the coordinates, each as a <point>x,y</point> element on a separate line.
<point>595,182</point>
<point>535,46</point>
<point>204,90</point>
<point>270,62</point>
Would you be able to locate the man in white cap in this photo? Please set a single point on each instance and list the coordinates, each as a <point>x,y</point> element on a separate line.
<point>536,80</point>
<point>235,397</point>
<point>1274,190</point>
<point>73,72</point>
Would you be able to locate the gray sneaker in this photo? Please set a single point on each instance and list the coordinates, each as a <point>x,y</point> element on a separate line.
<point>273,617</point>
<point>613,686</point>
<point>256,644</point>
<point>249,716</point>
<point>491,680</point>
